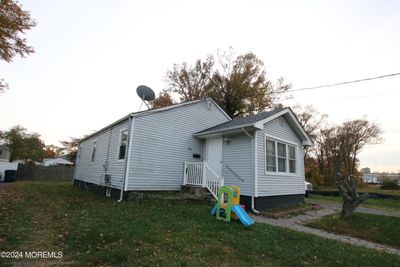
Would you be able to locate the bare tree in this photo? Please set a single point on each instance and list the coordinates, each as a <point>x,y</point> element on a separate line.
<point>163,99</point>
<point>238,84</point>
<point>344,143</point>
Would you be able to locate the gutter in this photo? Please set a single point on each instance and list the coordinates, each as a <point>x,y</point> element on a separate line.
<point>253,184</point>
<point>128,148</point>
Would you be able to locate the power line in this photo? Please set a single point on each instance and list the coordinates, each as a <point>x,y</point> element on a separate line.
<point>342,83</point>
<point>367,96</point>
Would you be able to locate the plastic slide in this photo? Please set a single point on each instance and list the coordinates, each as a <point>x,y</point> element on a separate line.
<point>214,210</point>
<point>242,215</point>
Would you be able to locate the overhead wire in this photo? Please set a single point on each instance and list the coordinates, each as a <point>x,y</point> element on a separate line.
<point>343,83</point>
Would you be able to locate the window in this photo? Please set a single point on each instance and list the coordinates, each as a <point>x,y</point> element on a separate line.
<point>280,157</point>
<point>292,159</point>
<point>271,158</point>
<point>122,144</point>
<point>94,150</point>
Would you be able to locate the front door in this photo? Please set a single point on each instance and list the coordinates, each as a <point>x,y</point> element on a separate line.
<point>214,155</point>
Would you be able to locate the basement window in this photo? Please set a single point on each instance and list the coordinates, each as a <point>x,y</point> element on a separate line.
<point>123,141</point>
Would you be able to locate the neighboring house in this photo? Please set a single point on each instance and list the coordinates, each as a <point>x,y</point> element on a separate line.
<point>196,143</point>
<point>5,154</point>
<point>370,179</point>
<point>5,164</point>
<point>56,161</point>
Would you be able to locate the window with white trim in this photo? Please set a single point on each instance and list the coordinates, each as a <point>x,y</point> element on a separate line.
<point>292,159</point>
<point>94,151</point>
<point>280,157</point>
<point>123,141</point>
<point>271,156</point>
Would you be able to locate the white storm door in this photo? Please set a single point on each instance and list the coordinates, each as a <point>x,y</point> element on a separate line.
<point>214,155</point>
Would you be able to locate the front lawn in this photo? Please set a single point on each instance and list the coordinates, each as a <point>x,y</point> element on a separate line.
<point>91,230</point>
<point>374,203</point>
<point>375,228</point>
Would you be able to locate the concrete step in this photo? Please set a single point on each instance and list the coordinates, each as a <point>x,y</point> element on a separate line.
<point>196,192</point>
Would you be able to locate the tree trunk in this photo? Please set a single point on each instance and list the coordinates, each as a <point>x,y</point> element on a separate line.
<point>351,199</point>
<point>349,206</point>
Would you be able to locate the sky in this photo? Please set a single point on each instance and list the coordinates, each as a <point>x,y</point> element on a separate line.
<point>91,55</point>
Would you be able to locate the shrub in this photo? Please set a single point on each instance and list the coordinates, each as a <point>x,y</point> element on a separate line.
<point>392,184</point>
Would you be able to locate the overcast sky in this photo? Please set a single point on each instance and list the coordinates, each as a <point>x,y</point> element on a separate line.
<point>91,55</point>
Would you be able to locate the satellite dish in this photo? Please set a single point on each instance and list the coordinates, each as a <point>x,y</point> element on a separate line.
<point>146,94</point>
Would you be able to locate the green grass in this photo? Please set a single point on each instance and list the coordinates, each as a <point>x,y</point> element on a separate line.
<point>366,188</point>
<point>379,229</point>
<point>373,203</point>
<point>92,230</point>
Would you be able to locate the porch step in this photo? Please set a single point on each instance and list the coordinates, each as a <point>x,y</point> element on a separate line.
<point>196,192</point>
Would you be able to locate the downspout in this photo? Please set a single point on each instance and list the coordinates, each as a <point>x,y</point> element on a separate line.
<point>253,172</point>
<point>126,169</point>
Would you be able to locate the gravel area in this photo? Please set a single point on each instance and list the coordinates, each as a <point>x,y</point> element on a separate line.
<point>297,223</point>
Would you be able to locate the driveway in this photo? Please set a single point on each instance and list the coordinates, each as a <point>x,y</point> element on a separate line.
<point>296,223</point>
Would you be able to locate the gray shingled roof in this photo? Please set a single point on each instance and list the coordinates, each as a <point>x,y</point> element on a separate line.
<point>236,123</point>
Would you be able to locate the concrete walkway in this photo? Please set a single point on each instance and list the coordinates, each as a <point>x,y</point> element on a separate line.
<point>296,223</point>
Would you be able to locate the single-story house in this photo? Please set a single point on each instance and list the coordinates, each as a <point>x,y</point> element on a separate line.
<point>196,143</point>
<point>6,166</point>
<point>370,179</point>
<point>5,154</point>
<point>56,161</point>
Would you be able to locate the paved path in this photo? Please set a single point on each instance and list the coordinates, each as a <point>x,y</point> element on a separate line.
<point>297,223</point>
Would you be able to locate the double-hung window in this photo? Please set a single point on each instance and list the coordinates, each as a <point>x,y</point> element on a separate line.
<point>292,159</point>
<point>271,156</point>
<point>123,141</point>
<point>280,157</point>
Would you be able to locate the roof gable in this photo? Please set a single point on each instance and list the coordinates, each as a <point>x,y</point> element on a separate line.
<point>152,111</point>
<point>257,121</point>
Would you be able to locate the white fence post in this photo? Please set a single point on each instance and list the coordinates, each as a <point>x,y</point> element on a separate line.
<point>204,175</point>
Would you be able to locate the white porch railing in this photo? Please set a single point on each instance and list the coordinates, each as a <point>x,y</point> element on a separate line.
<point>199,173</point>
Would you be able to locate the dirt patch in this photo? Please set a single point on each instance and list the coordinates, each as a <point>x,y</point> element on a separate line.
<point>289,211</point>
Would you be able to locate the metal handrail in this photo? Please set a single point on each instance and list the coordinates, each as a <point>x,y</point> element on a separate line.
<point>237,175</point>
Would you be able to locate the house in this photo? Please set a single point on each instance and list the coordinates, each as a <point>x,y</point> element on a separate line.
<point>56,161</point>
<point>196,143</point>
<point>5,154</point>
<point>370,179</point>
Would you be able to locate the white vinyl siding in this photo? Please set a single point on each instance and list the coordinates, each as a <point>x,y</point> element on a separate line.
<point>270,181</point>
<point>163,141</point>
<point>237,161</point>
<point>105,160</point>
